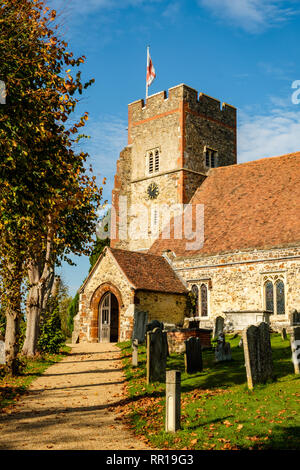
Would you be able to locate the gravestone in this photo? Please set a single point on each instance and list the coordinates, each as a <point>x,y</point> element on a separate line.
<point>2,352</point>
<point>193,355</point>
<point>135,353</point>
<point>295,318</point>
<point>283,334</point>
<point>154,324</point>
<point>223,351</point>
<point>173,405</point>
<point>295,346</point>
<point>258,354</point>
<point>156,355</point>
<point>218,327</point>
<point>139,326</point>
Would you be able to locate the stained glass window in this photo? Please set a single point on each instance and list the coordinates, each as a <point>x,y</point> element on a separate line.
<point>195,291</point>
<point>269,296</point>
<point>280,298</point>
<point>203,291</point>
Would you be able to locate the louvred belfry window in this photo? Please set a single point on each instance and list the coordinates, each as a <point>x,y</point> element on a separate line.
<point>156,168</point>
<point>211,158</point>
<point>153,161</point>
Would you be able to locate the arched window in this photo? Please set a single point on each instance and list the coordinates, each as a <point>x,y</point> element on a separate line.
<point>203,292</point>
<point>280,300</point>
<point>269,296</point>
<point>195,291</point>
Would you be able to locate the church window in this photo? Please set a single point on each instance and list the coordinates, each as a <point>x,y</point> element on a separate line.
<point>280,310</point>
<point>269,296</point>
<point>211,158</point>
<point>195,291</point>
<point>274,295</point>
<point>203,292</point>
<point>152,160</point>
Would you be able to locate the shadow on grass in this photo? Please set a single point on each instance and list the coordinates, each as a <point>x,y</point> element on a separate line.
<point>283,438</point>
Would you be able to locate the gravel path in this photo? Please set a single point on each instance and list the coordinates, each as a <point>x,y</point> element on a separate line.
<point>71,406</point>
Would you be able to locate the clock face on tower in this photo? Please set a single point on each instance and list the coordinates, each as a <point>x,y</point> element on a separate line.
<point>152,191</point>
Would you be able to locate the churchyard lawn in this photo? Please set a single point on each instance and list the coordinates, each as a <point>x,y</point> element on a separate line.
<point>218,411</point>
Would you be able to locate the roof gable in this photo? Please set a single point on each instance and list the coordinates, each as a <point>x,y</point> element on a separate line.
<point>148,271</point>
<point>143,271</point>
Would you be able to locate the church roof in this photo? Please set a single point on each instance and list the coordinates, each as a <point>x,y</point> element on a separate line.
<point>147,271</point>
<point>253,205</point>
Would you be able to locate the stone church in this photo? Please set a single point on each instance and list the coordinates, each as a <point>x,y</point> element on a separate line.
<point>187,218</point>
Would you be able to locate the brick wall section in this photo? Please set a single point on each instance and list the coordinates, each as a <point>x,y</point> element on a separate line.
<point>176,339</point>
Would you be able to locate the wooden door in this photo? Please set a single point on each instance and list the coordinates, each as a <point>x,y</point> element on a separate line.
<point>104,319</point>
<point>109,319</point>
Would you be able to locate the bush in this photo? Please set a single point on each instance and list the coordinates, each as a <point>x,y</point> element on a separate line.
<point>51,337</point>
<point>72,311</point>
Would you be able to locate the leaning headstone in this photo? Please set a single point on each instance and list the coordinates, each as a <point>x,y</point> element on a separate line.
<point>258,354</point>
<point>173,405</point>
<point>135,353</point>
<point>156,355</point>
<point>223,351</point>
<point>218,327</point>
<point>193,355</point>
<point>295,346</point>
<point>139,326</point>
<point>2,352</point>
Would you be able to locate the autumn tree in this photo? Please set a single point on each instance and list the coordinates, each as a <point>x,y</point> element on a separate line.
<point>48,202</point>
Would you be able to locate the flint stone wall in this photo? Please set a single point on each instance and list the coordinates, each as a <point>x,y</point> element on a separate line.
<point>237,280</point>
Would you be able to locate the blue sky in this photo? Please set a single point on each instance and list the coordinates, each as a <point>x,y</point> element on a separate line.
<point>243,52</point>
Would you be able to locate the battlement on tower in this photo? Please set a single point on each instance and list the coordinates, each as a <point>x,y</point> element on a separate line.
<point>198,103</point>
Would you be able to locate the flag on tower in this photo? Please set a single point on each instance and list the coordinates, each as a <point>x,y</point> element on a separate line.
<point>150,72</point>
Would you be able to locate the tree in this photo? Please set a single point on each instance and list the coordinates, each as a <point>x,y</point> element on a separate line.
<point>44,189</point>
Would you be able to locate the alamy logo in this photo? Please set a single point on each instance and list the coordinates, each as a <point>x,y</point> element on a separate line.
<point>139,222</point>
<point>296,94</point>
<point>2,92</point>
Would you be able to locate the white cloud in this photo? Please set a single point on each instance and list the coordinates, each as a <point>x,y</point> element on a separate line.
<point>251,15</point>
<point>268,135</point>
<point>172,11</point>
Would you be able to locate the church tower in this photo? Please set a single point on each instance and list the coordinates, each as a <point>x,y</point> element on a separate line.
<point>174,140</point>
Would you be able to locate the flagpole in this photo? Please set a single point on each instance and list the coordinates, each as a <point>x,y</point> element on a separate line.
<point>146,72</point>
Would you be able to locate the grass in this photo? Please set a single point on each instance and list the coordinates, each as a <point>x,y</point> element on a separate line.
<point>12,387</point>
<point>218,411</point>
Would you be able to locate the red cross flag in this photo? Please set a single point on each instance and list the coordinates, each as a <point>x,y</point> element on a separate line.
<point>150,72</point>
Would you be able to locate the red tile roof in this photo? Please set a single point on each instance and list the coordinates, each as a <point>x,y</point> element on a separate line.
<point>254,205</point>
<point>148,271</point>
